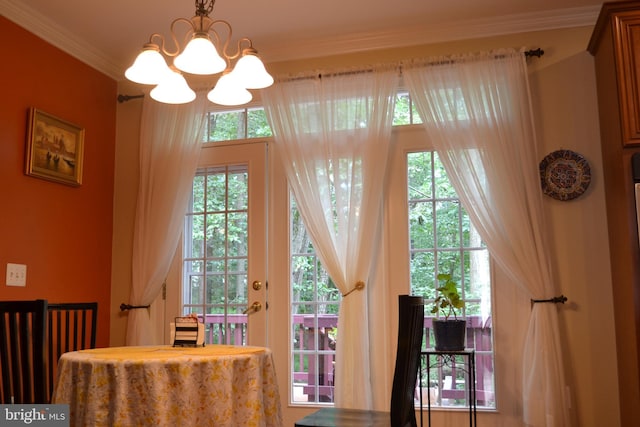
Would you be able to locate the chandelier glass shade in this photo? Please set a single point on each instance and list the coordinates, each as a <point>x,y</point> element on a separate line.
<point>205,54</point>
<point>229,91</point>
<point>173,89</point>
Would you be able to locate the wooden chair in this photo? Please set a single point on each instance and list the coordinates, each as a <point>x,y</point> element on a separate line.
<point>22,351</point>
<point>72,327</point>
<point>402,413</point>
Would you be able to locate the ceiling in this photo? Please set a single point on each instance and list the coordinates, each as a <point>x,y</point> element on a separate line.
<point>108,34</point>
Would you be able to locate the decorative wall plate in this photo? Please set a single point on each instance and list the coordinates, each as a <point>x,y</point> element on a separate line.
<point>564,174</point>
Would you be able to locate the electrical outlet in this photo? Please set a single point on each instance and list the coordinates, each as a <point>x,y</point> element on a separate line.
<point>16,274</point>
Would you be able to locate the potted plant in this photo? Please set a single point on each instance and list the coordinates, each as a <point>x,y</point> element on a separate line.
<point>449,332</point>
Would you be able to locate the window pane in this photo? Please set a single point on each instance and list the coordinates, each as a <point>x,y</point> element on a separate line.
<point>237,234</point>
<point>447,221</point>
<point>415,116</point>
<point>257,125</point>
<point>449,262</point>
<point>419,173</point>
<point>237,124</point>
<point>405,112</point>
<point>216,235</point>
<point>444,189</point>
<point>198,190</point>
<point>421,232</point>
<point>216,190</point>
<point>402,112</point>
<point>215,289</point>
<point>194,241</point>
<point>238,188</point>
<point>226,126</point>
<point>422,273</point>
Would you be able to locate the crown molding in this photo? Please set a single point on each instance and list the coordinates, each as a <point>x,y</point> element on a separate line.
<point>276,50</point>
<point>422,35</point>
<point>49,31</point>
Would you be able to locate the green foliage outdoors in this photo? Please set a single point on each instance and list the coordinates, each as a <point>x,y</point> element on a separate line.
<point>239,124</point>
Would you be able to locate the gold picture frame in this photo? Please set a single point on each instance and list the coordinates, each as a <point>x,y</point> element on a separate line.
<point>54,149</point>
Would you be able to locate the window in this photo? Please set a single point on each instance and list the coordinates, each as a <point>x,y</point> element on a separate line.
<point>230,125</point>
<point>405,112</point>
<point>246,123</point>
<point>443,240</point>
<point>314,319</point>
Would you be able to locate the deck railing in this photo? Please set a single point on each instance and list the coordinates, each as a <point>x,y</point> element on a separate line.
<point>314,353</point>
<point>217,331</point>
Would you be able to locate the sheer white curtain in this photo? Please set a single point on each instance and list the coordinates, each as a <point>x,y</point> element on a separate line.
<point>477,113</point>
<point>332,134</point>
<point>170,141</point>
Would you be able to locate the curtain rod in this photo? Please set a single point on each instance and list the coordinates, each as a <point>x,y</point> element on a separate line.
<point>399,65</point>
<point>529,53</point>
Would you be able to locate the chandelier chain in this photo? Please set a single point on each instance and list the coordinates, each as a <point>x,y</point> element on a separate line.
<point>204,7</point>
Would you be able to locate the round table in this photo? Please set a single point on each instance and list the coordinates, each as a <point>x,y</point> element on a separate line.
<point>215,385</point>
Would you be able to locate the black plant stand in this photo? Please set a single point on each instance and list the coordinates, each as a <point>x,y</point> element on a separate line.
<point>448,358</point>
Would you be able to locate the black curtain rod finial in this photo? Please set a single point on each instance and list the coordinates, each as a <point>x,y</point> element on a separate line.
<point>534,52</point>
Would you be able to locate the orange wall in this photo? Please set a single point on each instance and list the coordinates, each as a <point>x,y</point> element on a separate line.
<point>62,233</point>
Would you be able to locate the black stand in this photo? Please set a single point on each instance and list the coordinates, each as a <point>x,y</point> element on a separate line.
<point>448,358</point>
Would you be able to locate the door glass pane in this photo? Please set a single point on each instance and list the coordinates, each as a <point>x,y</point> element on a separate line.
<point>218,221</point>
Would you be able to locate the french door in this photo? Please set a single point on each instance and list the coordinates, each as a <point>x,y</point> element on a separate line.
<point>222,262</point>
<point>267,259</point>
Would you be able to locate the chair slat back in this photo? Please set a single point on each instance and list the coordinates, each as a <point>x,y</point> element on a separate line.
<point>410,332</point>
<point>72,327</point>
<point>22,351</point>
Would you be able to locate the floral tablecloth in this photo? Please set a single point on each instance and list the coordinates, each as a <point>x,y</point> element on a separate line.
<point>216,385</point>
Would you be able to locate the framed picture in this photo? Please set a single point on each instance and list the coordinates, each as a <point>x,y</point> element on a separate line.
<point>54,149</point>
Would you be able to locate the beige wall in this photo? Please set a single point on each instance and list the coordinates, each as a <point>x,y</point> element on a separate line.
<point>563,89</point>
<point>124,206</point>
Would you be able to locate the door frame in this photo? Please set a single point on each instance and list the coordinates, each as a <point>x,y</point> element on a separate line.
<point>255,155</point>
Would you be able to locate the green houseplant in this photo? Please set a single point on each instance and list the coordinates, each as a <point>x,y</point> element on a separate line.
<point>449,333</point>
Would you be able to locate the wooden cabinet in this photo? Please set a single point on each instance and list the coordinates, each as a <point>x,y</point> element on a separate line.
<point>623,22</point>
<point>615,45</point>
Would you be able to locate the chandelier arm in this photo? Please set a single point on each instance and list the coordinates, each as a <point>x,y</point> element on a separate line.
<point>225,46</point>
<point>157,39</point>
<point>240,49</point>
<point>215,37</point>
<point>176,44</point>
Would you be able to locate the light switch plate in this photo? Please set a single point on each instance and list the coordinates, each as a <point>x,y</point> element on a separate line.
<point>16,274</point>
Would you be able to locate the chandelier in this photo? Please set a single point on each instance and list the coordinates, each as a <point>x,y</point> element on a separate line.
<point>203,52</point>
